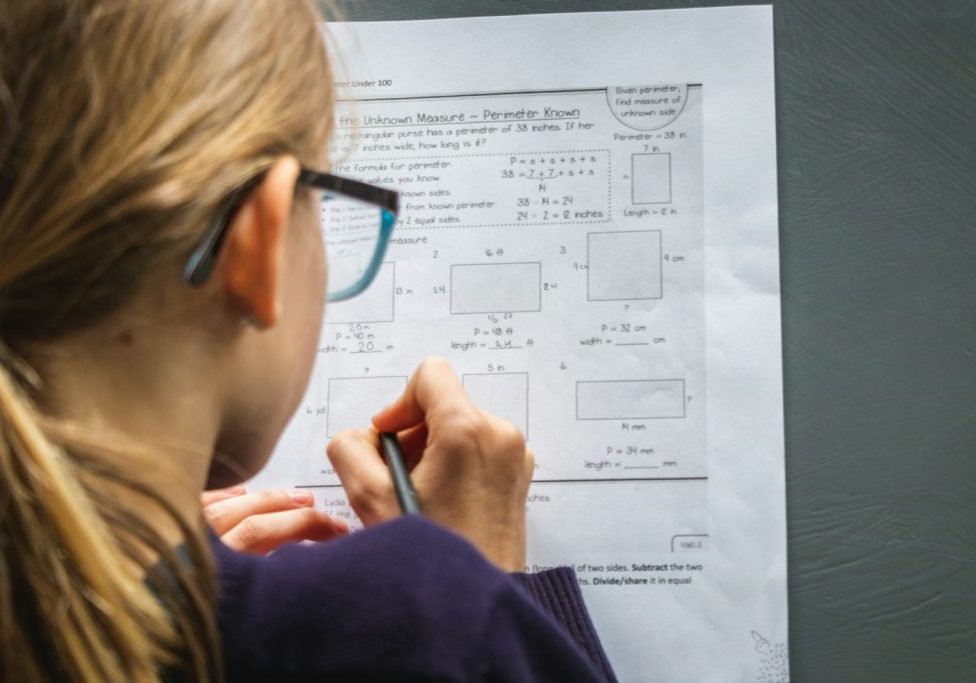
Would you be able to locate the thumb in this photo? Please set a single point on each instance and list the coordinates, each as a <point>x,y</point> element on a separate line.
<point>355,455</point>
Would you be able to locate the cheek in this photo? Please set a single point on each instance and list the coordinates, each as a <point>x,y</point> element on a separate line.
<point>311,296</point>
<point>308,286</point>
<point>317,288</point>
<point>302,314</point>
<point>322,284</point>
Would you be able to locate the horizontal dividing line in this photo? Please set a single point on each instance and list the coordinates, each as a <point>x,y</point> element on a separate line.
<point>453,123</point>
<point>620,480</point>
<point>506,93</point>
<point>615,480</point>
<point>553,224</point>
<point>511,93</point>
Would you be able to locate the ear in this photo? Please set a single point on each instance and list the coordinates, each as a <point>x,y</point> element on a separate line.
<point>254,252</point>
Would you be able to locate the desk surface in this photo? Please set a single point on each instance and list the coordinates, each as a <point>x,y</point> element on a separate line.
<point>876,118</point>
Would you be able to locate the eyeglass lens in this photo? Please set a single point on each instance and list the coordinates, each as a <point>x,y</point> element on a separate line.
<point>352,233</point>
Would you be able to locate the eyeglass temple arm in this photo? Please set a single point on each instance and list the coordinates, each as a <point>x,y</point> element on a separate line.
<point>380,196</point>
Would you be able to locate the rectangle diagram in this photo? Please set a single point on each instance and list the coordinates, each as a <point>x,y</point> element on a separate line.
<point>354,400</point>
<point>374,305</point>
<point>496,287</point>
<point>642,399</point>
<point>505,394</point>
<point>623,266</point>
<point>650,177</point>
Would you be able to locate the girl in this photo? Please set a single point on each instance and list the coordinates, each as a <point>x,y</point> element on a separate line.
<point>162,282</point>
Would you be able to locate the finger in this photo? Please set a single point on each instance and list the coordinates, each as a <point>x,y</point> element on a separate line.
<point>225,514</point>
<point>431,387</point>
<point>529,473</point>
<point>217,495</point>
<point>356,458</point>
<point>413,441</point>
<point>260,534</point>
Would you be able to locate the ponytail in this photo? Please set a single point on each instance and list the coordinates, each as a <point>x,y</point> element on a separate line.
<point>123,127</point>
<point>75,602</point>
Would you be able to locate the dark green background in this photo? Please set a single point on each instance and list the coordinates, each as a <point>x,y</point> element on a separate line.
<point>876,134</point>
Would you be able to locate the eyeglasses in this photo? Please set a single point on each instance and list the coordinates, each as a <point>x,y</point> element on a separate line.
<point>357,219</point>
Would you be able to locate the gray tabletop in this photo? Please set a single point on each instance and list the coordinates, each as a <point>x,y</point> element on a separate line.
<point>876,118</point>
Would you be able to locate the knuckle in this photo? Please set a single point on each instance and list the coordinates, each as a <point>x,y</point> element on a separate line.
<point>506,438</point>
<point>510,438</point>
<point>370,493</point>
<point>508,445</point>
<point>250,532</point>
<point>307,517</point>
<point>214,516</point>
<point>433,366</point>
<point>273,496</point>
<point>435,363</point>
<point>353,491</point>
<point>463,427</point>
<point>338,442</point>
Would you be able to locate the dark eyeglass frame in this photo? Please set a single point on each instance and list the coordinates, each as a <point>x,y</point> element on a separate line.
<point>199,265</point>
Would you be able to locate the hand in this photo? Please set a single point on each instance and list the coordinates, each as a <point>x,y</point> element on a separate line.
<point>262,521</point>
<point>471,470</point>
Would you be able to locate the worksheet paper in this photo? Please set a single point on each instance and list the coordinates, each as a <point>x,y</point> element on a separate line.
<point>589,233</point>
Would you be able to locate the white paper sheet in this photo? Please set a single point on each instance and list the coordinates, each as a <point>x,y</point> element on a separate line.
<point>589,233</point>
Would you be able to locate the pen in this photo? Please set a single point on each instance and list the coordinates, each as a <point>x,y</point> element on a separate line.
<point>393,454</point>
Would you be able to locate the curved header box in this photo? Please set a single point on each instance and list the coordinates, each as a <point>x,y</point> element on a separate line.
<point>647,107</point>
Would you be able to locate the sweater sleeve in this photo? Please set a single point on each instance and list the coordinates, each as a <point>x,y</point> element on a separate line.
<point>557,591</point>
<point>407,600</point>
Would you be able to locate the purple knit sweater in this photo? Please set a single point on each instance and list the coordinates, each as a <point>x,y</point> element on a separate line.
<point>402,601</point>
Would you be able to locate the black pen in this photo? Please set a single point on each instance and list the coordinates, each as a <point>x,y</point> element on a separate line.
<point>405,492</point>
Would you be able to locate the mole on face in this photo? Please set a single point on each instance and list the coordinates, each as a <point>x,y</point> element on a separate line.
<point>125,338</point>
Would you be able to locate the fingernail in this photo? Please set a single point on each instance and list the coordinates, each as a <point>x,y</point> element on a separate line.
<point>235,490</point>
<point>339,525</point>
<point>301,497</point>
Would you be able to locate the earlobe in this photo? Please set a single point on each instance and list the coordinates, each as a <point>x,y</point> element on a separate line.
<point>253,257</point>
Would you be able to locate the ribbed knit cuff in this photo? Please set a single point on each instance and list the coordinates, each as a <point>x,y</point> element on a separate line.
<point>557,591</point>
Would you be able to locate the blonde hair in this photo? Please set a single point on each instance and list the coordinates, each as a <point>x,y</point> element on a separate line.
<point>124,124</point>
